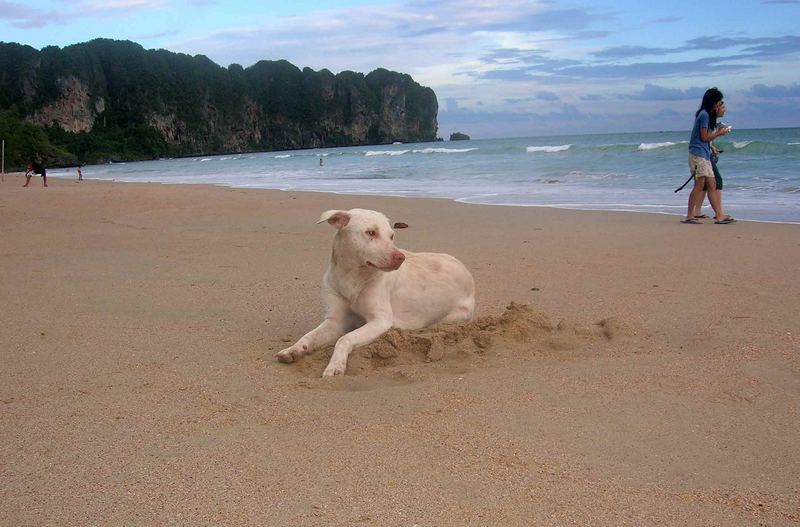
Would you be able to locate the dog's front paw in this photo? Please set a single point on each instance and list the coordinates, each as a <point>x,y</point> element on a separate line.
<point>291,354</point>
<point>334,368</point>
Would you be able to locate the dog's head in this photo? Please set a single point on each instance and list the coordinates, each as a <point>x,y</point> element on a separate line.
<point>363,238</point>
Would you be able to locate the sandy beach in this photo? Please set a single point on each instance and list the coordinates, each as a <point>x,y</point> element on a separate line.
<point>623,369</point>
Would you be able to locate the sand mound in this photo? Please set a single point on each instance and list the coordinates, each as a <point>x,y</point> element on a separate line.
<point>519,333</point>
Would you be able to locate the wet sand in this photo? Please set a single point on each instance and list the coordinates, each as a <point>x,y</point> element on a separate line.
<point>623,369</point>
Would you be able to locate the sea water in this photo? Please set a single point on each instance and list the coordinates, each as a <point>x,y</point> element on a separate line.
<point>615,172</point>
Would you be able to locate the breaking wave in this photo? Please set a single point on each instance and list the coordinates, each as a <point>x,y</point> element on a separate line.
<point>548,149</point>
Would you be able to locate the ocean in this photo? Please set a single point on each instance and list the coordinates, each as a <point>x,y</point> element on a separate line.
<point>615,172</point>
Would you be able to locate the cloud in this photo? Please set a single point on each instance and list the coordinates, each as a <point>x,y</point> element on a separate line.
<point>668,114</point>
<point>775,92</point>
<point>571,21</point>
<point>547,96</point>
<point>589,71</point>
<point>401,33</point>
<point>749,47</point>
<point>22,16</point>
<point>513,75</point>
<point>519,16</point>
<point>652,92</point>
<point>14,11</point>
<point>155,36</point>
<point>624,52</point>
<point>708,42</point>
<point>623,63</point>
<point>775,47</point>
<point>105,7</point>
<point>742,47</point>
<point>668,20</point>
<point>533,58</point>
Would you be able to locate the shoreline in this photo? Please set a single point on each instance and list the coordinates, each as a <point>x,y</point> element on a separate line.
<point>454,200</point>
<point>649,378</point>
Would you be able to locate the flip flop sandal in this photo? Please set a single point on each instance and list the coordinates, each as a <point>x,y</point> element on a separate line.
<point>692,221</point>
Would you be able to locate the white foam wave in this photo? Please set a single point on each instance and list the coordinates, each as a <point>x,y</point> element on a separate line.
<point>385,152</point>
<point>444,150</point>
<point>283,156</point>
<point>548,149</point>
<point>655,146</point>
<point>741,144</point>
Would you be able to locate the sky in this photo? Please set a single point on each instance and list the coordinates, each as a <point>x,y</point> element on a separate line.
<point>500,68</point>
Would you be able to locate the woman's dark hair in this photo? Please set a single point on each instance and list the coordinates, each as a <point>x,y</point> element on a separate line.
<point>710,98</point>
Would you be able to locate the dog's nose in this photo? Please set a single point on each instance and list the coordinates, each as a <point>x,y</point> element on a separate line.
<point>398,258</point>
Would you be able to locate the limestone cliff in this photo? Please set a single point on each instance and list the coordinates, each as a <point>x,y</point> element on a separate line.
<point>109,99</point>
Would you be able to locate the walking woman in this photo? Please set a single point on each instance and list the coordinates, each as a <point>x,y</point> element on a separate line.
<point>704,131</point>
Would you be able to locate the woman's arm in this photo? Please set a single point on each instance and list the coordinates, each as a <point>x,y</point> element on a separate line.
<point>707,136</point>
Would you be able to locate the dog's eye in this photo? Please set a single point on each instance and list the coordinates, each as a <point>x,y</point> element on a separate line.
<point>372,233</point>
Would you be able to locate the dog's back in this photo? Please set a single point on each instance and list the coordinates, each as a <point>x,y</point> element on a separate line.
<point>430,288</point>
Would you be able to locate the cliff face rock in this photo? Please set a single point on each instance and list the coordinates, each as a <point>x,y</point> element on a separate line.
<point>74,111</point>
<point>109,99</point>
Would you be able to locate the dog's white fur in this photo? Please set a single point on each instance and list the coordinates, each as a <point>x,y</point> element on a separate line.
<point>371,286</point>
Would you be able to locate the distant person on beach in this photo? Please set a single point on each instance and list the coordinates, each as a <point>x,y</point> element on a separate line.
<point>80,174</point>
<point>320,161</point>
<point>704,131</point>
<point>35,168</point>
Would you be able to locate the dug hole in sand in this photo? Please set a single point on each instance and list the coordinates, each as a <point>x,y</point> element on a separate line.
<point>520,333</point>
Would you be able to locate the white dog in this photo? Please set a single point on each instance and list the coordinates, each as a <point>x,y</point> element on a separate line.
<point>371,286</point>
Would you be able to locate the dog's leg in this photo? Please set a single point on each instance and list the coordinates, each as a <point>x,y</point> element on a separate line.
<point>359,337</point>
<point>326,333</point>
<point>338,321</point>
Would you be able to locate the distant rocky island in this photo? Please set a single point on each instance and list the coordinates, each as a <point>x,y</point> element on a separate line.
<point>109,100</point>
<point>458,136</point>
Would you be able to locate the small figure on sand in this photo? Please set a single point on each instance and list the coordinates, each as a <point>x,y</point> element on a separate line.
<point>80,174</point>
<point>320,161</point>
<point>35,168</point>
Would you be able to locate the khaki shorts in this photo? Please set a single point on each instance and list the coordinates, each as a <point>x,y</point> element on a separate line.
<point>700,167</point>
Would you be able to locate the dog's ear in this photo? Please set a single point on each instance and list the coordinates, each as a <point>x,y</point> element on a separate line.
<point>337,218</point>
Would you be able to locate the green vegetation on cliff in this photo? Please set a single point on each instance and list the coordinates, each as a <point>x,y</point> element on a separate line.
<point>113,100</point>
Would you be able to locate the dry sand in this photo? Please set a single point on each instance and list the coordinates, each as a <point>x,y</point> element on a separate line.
<point>646,374</point>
